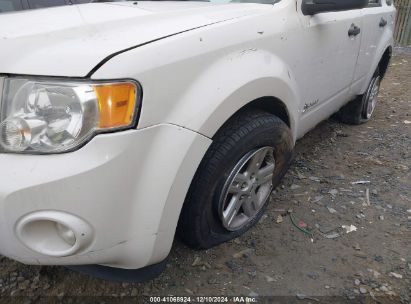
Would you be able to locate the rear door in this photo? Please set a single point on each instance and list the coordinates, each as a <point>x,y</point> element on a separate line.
<point>378,18</point>
<point>329,55</point>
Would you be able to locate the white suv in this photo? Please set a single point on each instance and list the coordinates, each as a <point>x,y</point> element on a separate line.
<point>122,121</point>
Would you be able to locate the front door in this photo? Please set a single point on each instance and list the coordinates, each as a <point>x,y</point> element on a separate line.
<point>331,43</point>
<point>378,21</point>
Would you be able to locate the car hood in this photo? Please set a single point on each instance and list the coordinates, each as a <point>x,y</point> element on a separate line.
<point>72,40</point>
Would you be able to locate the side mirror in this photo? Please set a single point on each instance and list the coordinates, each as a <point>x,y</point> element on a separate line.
<point>312,7</point>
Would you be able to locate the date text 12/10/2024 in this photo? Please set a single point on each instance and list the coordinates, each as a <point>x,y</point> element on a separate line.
<point>203,299</point>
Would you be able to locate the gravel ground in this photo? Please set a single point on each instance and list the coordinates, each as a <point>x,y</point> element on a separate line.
<point>370,264</point>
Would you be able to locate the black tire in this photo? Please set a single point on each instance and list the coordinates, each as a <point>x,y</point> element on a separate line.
<point>200,226</point>
<point>354,112</point>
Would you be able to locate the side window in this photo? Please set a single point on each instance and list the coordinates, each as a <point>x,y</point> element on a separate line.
<point>45,3</point>
<point>373,3</point>
<point>10,5</point>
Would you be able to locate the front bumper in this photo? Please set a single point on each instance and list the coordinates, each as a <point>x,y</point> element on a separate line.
<point>127,188</point>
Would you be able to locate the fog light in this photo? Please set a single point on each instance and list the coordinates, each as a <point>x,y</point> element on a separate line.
<point>54,233</point>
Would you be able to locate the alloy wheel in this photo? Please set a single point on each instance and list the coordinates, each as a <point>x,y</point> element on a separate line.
<point>372,97</point>
<point>247,189</point>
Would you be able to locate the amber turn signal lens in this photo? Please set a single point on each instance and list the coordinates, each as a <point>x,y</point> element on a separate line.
<point>117,104</point>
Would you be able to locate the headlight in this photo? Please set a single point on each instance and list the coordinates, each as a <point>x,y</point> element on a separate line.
<point>52,116</point>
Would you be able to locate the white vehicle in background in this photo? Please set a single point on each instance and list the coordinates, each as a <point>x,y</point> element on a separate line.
<point>122,121</point>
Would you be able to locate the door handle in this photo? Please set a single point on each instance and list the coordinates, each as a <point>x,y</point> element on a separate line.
<point>383,22</point>
<point>354,30</point>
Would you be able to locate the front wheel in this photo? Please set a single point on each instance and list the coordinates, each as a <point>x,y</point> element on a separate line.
<point>361,109</point>
<point>232,186</point>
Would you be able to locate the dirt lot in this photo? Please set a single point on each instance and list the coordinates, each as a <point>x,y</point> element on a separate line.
<point>277,259</point>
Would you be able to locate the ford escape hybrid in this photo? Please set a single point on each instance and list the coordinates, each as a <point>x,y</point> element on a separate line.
<point>122,121</point>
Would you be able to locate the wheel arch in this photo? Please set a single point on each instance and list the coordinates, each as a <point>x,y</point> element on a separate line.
<point>274,95</point>
<point>385,61</point>
<point>381,60</point>
<point>269,104</point>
